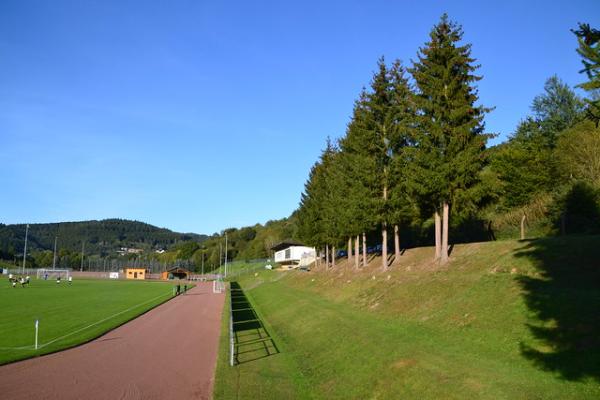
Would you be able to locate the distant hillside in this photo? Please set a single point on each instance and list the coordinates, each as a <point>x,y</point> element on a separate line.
<point>102,238</point>
<point>246,243</point>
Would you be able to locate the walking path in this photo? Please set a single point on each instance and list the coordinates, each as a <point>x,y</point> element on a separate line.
<point>167,353</point>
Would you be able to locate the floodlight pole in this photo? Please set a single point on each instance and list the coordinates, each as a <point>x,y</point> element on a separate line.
<point>82,253</point>
<point>220,256</point>
<point>54,257</point>
<point>25,250</point>
<point>225,254</point>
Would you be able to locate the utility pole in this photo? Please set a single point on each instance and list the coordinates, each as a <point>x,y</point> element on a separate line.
<point>25,251</point>
<point>54,257</point>
<point>202,263</point>
<point>82,253</point>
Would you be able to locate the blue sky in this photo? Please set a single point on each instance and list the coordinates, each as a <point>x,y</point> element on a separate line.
<point>198,116</point>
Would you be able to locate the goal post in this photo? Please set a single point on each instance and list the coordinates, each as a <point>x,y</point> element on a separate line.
<point>52,273</point>
<point>218,286</point>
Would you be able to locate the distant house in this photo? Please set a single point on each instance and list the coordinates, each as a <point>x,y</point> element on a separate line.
<point>129,250</point>
<point>292,253</point>
<point>159,251</point>
<point>135,273</point>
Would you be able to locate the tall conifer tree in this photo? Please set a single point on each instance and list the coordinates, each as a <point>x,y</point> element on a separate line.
<point>449,139</point>
<point>374,133</point>
<point>318,219</point>
<point>589,50</point>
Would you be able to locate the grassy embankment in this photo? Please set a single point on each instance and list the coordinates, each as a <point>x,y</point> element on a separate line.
<point>238,268</point>
<point>69,314</point>
<point>504,320</point>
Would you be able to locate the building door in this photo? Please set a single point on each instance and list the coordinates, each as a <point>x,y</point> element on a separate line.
<point>135,275</point>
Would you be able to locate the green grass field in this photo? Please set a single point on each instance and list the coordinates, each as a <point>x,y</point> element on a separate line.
<point>69,314</point>
<point>238,268</point>
<point>505,320</point>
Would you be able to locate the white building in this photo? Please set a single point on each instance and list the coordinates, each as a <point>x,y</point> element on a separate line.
<point>294,254</point>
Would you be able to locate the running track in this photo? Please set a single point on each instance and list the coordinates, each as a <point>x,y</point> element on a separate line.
<point>167,353</point>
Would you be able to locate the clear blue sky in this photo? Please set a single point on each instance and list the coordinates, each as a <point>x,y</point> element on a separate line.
<point>198,115</point>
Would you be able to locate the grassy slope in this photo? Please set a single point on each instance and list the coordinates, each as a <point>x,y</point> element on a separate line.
<point>505,320</point>
<point>62,309</point>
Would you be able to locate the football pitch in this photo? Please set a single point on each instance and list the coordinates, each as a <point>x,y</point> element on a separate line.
<point>69,314</point>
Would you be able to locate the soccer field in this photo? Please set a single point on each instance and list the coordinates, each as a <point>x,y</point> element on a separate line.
<point>69,314</point>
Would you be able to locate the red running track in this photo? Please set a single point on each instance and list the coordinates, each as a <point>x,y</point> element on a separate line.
<point>168,353</point>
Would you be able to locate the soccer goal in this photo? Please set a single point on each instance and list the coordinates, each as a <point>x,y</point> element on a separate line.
<point>218,286</point>
<point>44,273</point>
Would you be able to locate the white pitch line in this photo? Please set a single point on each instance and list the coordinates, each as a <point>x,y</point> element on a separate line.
<point>84,328</point>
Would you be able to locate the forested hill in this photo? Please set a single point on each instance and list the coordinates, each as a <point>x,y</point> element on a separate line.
<point>102,238</point>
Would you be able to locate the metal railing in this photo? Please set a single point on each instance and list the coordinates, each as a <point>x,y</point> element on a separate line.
<point>231,338</point>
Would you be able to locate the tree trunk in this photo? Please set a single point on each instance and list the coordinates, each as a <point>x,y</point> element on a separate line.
<point>384,261</point>
<point>438,235</point>
<point>349,249</point>
<point>523,226</point>
<point>319,257</point>
<point>396,244</point>
<point>384,253</point>
<point>332,256</point>
<point>445,233</point>
<point>563,224</point>
<point>326,257</point>
<point>364,255</point>
<point>356,251</point>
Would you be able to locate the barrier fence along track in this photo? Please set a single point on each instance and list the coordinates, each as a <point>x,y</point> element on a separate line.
<point>246,330</point>
<point>231,340</point>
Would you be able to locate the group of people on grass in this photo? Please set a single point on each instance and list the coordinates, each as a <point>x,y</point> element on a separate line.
<point>69,279</point>
<point>24,281</point>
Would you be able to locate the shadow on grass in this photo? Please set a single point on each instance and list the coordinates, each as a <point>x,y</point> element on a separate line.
<point>252,340</point>
<point>564,296</point>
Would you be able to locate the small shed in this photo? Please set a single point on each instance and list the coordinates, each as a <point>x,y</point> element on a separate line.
<point>175,273</point>
<point>135,273</point>
<point>290,252</point>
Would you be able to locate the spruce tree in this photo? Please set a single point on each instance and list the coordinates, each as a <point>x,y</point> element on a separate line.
<point>449,141</point>
<point>318,221</point>
<point>377,128</point>
<point>589,50</point>
<point>360,176</point>
<point>400,205</point>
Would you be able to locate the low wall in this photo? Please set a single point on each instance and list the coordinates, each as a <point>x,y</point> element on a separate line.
<point>93,275</point>
<point>106,275</point>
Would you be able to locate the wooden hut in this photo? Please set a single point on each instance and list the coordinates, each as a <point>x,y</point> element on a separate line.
<point>175,273</point>
<point>135,273</point>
